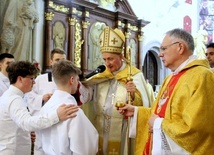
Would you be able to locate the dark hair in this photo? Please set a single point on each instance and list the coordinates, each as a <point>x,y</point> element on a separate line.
<point>58,51</point>
<point>210,45</point>
<point>183,35</point>
<point>20,68</point>
<point>5,55</point>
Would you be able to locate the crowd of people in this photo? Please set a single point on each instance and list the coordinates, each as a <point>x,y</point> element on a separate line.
<point>179,121</point>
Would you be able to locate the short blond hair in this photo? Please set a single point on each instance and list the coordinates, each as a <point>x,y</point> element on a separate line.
<point>63,70</point>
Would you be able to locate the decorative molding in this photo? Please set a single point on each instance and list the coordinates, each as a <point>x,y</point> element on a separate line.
<point>141,29</point>
<point>72,21</point>
<point>140,38</point>
<point>78,43</point>
<point>60,8</point>
<point>105,3</point>
<point>120,24</point>
<point>77,12</point>
<point>87,14</point>
<point>127,34</point>
<point>85,24</point>
<point>132,27</point>
<point>49,16</point>
<point>141,33</point>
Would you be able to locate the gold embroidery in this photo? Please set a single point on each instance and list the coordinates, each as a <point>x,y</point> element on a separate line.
<point>108,123</point>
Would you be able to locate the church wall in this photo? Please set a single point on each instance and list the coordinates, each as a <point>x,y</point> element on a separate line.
<point>161,20</point>
<point>38,34</point>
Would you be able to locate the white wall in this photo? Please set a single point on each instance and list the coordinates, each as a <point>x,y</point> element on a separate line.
<point>38,37</point>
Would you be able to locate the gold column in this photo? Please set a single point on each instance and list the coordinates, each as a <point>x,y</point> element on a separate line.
<point>48,18</point>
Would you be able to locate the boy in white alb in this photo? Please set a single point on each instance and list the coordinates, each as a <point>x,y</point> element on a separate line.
<point>15,120</point>
<point>75,136</point>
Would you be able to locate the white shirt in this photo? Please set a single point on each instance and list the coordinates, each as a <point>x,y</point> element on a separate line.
<point>4,83</point>
<point>41,87</point>
<point>16,123</point>
<point>76,136</point>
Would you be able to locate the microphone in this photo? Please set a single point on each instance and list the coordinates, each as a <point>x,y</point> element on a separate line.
<point>99,69</point>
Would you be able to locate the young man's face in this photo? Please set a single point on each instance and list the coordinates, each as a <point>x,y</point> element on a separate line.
<point>57,57</point>
<point>75,82</point>
<point>4,64</point>
<point>27,83</point>
<point>210,56</point>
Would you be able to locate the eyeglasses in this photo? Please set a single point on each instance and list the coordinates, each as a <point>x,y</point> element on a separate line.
<point>163,48</point>
<point>210,53</point>
<point>31,78</point>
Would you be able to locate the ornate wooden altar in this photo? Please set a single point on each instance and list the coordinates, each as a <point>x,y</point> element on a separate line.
<point>74,26</point>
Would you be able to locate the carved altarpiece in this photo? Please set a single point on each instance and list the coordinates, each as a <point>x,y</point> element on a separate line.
<point>75,26</point>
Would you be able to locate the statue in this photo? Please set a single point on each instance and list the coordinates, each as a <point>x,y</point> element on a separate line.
<point>29,15</point>
<point>59,35</point>
<point>200,42</point>
<point>133,47</point>
<point>96,29</point>
<point>106,4</point>
<point>23,15</point>
<point>7,37</point>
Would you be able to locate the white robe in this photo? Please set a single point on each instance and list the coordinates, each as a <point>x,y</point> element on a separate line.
<point>76,136</point>
<point>41,87</point>
<point>4,83</point>
<point>16,122</point>
<point>110,124</point>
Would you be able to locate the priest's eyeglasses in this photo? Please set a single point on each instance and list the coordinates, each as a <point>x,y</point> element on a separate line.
<point>163,48</point>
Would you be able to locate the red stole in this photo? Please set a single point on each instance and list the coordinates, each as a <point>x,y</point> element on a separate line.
<point>162,104</point>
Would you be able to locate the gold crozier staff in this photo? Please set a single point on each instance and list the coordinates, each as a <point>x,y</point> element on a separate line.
<point>129,101</point>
